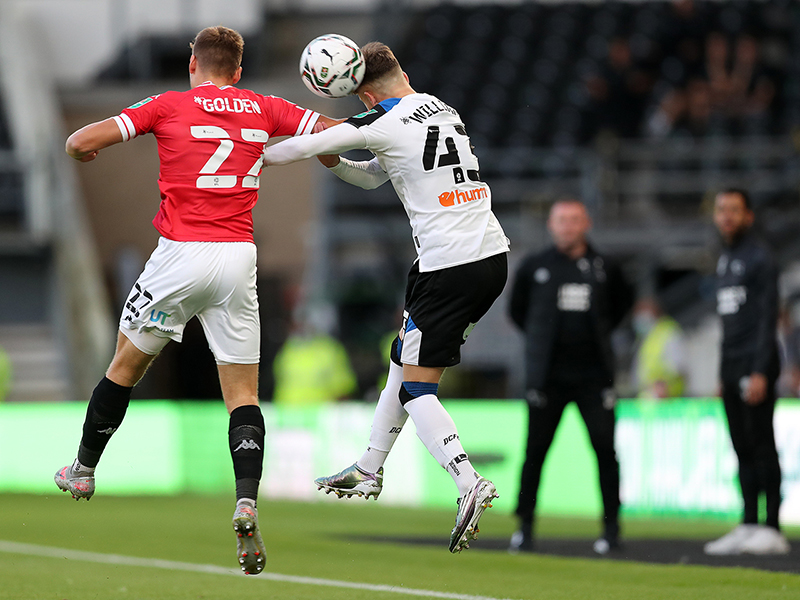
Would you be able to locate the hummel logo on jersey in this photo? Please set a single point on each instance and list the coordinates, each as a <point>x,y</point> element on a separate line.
<point>459,197</point>
<point>247,445</point>
<point>108,431</point>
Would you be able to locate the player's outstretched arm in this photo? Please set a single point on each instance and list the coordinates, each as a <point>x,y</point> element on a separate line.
<point>364,174</point>
<point>84,144</point>
<point>336,139</point>
<point>367,174</point>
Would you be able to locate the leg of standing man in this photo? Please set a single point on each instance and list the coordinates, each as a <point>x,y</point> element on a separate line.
<point>544,414</point>
<point>753,440</point>
<point>596,404</point>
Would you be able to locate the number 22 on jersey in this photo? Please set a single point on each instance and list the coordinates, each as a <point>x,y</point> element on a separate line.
<point>208,177</point>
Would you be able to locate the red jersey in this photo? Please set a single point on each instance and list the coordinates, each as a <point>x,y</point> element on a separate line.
<point>210,144</point>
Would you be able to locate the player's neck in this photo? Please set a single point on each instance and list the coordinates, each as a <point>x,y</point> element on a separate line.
<point>201,78</point>
<point>574,251</point>
<point>395,92</point>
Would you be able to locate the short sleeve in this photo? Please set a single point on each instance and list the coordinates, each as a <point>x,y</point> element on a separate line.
<point>141,117</point>
<point>287,118</point>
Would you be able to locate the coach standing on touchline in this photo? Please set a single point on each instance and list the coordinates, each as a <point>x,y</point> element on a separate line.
<point>567,300</point>
<point>747,302</point>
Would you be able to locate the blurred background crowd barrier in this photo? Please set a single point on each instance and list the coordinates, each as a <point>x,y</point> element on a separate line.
<point>675,457</point>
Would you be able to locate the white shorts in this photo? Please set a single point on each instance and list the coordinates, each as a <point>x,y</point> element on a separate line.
<point>216,281</point>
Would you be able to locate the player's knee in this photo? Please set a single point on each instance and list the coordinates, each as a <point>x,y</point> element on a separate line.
<point>411,390</point>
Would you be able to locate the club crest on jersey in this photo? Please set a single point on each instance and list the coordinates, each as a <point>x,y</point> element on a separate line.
<point>454,197</point>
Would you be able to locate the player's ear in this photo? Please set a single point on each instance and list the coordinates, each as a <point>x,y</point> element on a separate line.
<point>192,64</point>
<point>237,76</point>
<point>367,98</point>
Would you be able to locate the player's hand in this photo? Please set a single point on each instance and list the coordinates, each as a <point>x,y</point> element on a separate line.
<point>756,389</point>
<point>328,160</point>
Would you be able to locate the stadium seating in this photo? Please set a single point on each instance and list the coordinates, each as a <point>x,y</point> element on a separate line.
<point>11,180</point>
<point>557,74</point>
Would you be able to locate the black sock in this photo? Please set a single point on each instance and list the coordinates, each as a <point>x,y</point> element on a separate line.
<point>103,416</point>
<point>246,439</point>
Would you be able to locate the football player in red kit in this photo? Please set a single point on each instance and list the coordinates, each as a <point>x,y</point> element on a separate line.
<point>210,144</point>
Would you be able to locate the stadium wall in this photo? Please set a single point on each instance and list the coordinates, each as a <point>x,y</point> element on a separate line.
<point>675,456</point>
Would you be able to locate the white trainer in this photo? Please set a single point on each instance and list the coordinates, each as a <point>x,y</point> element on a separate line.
<point>766,540</point>
<point>731,542</point>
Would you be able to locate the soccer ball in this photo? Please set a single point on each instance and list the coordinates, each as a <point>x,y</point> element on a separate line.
<point>332,66</point>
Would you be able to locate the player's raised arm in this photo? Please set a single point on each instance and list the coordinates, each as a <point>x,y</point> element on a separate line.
<point>333,140</point>
<point>84,144</point>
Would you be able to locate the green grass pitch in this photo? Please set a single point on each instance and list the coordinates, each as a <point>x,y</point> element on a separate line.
<point>321,540</point>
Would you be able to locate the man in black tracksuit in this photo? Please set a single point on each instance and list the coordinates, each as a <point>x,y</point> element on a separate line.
<point>747,302</point>
<point>567,300</point>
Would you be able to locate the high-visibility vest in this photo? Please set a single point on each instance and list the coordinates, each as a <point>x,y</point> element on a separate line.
<point>652,365</point>
<point>312,370</point>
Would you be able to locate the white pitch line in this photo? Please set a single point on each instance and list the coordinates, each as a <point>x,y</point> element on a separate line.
<point>171,565</point>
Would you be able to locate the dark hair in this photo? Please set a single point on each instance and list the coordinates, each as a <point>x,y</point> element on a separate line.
<point>748,204</point>
<point>218,50</point>
<point>379,61</point>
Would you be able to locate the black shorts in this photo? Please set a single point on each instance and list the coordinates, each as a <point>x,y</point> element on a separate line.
<point>443,306</point>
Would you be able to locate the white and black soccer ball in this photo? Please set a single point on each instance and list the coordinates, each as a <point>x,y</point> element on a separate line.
<point>332,66</point>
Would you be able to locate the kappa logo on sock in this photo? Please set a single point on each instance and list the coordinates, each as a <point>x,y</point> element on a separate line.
<point>108,431</point>
<point>247,445</point>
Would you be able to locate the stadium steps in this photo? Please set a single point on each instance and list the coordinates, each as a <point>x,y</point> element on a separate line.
<point>39,371</point>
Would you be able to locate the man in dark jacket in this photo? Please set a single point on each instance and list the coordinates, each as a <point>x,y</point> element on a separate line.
<point>747,302</point>
<point>566,300</point>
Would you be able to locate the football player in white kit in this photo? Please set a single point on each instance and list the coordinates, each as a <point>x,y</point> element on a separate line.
<point>421,146</point>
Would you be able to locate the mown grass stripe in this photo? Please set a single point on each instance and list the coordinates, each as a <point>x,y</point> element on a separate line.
<point>171,565</point>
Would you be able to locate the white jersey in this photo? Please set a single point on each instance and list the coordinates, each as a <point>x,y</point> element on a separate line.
<point>423,148</point>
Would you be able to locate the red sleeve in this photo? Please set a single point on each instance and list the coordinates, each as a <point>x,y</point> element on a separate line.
<point>143,116</point>
<point>287,118</point>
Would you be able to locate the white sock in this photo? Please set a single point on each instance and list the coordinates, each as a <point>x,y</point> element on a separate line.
<point>79,469</point>
<point>387,422</point>
<point>438,432</point>
<point>249,501</point>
